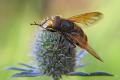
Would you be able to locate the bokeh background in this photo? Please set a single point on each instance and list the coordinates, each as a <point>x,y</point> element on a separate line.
<point>16,33</point>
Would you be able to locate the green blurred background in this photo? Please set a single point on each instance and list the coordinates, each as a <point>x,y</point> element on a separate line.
<point>16,34</point>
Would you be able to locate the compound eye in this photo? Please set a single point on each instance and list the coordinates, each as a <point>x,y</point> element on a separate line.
<point>65,23</point>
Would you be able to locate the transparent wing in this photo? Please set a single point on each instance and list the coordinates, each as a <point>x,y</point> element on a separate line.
<point>86,18</point>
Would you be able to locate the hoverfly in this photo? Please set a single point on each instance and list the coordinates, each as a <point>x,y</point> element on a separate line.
<point>73,32</point>
<point>55,53</point>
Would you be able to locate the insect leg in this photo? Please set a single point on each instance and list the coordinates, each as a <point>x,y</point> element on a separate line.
<point>90,74</point>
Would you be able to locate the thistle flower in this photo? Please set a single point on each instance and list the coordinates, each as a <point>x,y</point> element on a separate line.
<point>55,56</point>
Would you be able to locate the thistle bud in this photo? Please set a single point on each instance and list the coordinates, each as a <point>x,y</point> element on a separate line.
<point>54,54</point>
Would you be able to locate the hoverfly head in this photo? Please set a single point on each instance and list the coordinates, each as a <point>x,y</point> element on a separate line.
<point>56,22</point>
